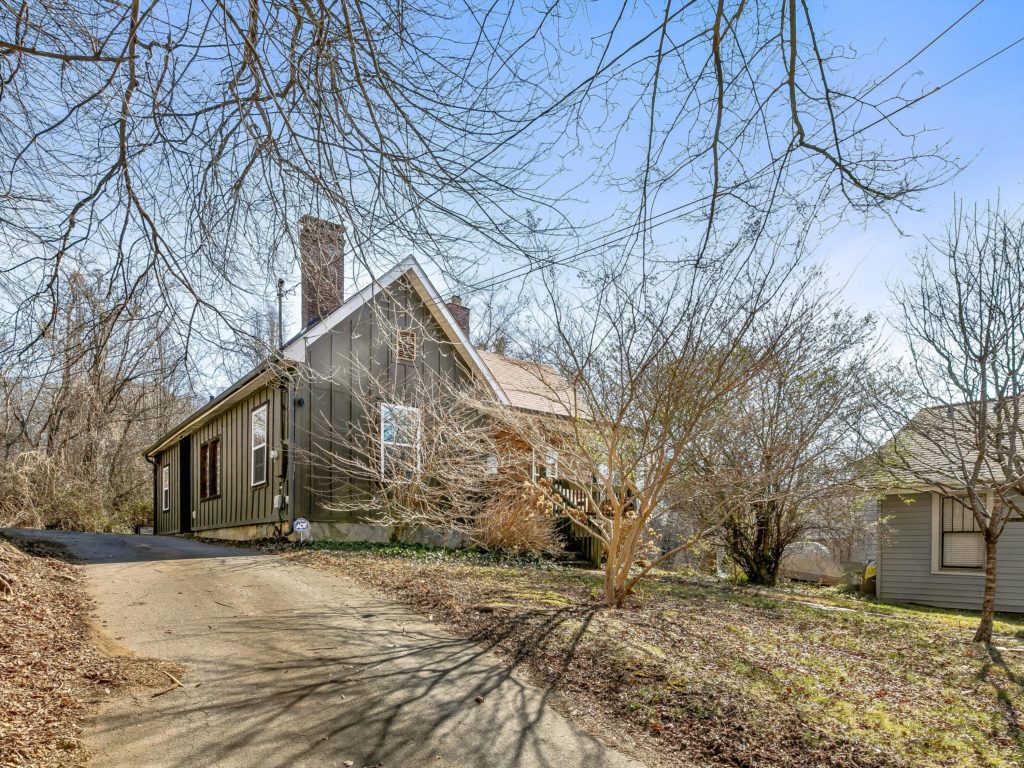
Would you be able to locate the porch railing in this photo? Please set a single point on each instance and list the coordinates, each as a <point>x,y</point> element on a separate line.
<point>576,502</point>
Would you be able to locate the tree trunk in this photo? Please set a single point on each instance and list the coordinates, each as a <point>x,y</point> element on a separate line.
<point>988,603</point>
<point>616,577</point>
<point>759,575</point>
<point>759,566</point>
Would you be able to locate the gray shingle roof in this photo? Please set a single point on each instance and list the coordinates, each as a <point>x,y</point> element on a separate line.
<point>938,446</point>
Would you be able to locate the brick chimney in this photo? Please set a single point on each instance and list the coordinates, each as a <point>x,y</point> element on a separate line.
<point>322,264</point>
<point>460,313</point>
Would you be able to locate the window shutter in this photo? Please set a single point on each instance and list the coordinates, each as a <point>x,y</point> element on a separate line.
<point>204,470</point>
<point>214,459</point>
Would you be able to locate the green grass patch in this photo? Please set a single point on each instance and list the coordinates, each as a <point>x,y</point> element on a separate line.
<point>429,553</point>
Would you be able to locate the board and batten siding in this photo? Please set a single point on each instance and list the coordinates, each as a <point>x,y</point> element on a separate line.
<point>167,521</point>
<point>329,412</point>
<point>905,562</point>
<point>238,502</point>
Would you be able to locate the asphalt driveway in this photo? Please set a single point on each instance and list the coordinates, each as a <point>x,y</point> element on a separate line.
<point>290,666</point>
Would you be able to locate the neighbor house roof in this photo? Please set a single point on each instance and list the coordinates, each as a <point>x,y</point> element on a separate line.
<point>532,386</point>
<point>935,446</point>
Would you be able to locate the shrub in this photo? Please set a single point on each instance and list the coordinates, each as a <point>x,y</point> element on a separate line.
<point>40,491</point>
<point>520,519</point>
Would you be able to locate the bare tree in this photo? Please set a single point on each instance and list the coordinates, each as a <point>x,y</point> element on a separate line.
<point>181,144</point>
<point>964,320</point>
<point>501,319</point>
<point>173,149</point>
<point>76,419</point>
<point>785,459</point>
<point>650,366</point>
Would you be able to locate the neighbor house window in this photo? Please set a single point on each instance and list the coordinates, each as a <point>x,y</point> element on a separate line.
<point>963,544</point>
<point>407,345</point>
<point>258,432</point>
<point>399,441</point>
<point>209,469</point>
<point>165,487</point>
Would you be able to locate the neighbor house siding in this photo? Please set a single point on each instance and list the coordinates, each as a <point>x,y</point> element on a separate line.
<point>238,502</point>
<point>168,521</point>
<point>906,561</point>
<point>338,362</point>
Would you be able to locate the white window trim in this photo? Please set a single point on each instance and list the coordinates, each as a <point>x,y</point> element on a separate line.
<point>552,465</point>
<point>165,490</point>
<point>265,409</point>
<point>937,569</point>
<point>384,445</point>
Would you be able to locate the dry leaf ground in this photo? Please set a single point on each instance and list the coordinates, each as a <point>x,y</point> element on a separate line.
<point>697,673</point>
<point>55,667</point>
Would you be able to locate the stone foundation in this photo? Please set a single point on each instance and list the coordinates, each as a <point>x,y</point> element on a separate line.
<point>337,532</point>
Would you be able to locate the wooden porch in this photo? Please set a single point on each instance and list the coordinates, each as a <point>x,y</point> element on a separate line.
<point>577,498</point>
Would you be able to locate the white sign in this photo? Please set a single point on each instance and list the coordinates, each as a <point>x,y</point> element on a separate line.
<point>301,525</point>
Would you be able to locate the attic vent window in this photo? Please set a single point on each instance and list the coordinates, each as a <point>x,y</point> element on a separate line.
<point>407,345</point>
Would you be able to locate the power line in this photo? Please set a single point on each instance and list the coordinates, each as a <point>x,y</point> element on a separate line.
<point>938,88</point>
<point>927,45</point>
<point>607,239</point>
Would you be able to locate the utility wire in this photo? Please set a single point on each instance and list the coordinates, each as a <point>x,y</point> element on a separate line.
<point>608,239</point>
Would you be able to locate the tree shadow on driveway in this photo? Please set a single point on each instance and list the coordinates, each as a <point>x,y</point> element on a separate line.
<point>329,686</point>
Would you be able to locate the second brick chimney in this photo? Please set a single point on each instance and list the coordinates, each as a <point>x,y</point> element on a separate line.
<point>460,313</point>
<point>322,264</point>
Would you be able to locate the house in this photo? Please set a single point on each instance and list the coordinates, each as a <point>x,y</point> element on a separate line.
<point>929,550</point>
<point>249,462</point>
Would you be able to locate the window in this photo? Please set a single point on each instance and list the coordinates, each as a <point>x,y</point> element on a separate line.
<point>165,492</point>
<point>963,545</point>
<point>209,469</point>
<point>258,435</point>
<point>546,466</point>
<point>492,464</point>
<point>407,345</point>
<point>399,442</point>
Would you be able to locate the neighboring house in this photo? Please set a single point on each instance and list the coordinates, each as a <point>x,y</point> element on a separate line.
<point>251,461</point>
<point>852,543</point>
<point>930,550</point>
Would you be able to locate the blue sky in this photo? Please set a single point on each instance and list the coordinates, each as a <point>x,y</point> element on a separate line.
<point>982,116</point>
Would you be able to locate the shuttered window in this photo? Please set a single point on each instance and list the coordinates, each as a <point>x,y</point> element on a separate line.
<point>209,469</point>
<point>963,544</point>
<point>258,433</point>
<point>165,487</point>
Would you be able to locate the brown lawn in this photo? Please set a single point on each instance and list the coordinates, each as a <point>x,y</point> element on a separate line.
<point>55,667</point>
<point>696,673</point>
